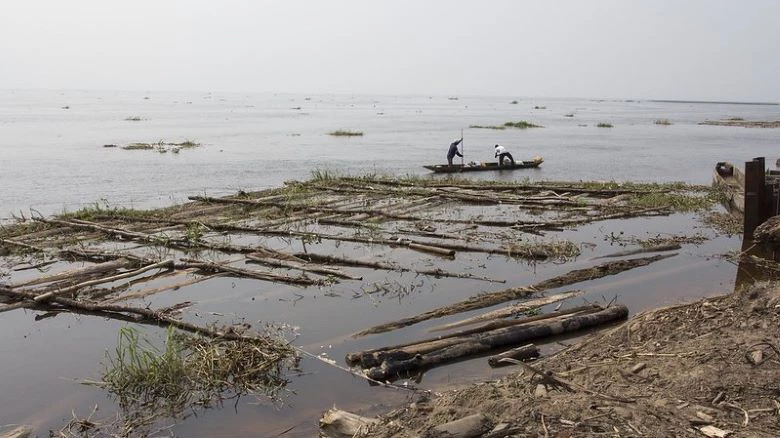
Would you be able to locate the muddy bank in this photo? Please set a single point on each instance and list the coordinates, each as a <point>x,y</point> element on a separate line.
<point>707,368</point>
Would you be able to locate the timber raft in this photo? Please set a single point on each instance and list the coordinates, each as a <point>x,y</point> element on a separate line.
<point>106,261</point>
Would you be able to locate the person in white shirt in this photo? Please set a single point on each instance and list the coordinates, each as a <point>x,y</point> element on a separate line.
<point>501,153</point>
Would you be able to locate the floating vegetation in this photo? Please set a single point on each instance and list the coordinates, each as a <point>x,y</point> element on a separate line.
<point>345,133</point>
<point>162,146</point>
<point>677,201</point>
<point>486,127</point>
<point>514,102</point>
<point>540,107</point>
<point>738,121</point>
<point>522,124</point>
<point>191,371</point>
<point>664,122</point>
<point>604,125</point>
<point>559,250</point>
<point>724,223</point>
<point>133,119</point>
<point>569,115</point>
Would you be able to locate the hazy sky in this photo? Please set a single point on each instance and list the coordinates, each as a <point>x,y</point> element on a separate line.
<point>663,49</point>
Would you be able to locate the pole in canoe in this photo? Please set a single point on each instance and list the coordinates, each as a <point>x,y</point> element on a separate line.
<point>462,148</point>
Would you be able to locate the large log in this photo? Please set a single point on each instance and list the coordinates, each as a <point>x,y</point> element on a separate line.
<point>503,337</point>
<point>374,357</point>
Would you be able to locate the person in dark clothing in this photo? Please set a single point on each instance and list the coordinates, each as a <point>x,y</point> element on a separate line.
<point>501,153</point>
<point>453,151</point>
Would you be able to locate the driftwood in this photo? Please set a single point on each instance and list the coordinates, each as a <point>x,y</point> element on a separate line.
<point>396,364</point>
<point>336,423</point>
<point>486,300</point>
<point>167,264</point>
<point>518,308</point>
<point>520,353</point>
<point>112,265</point>
<point>345,261</point>
<point>305,267</point>
<point>655,248</point>
<point>137,313</point>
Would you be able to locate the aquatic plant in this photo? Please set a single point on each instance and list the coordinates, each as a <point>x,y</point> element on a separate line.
<point>486,127</point>
<point>190,371</point>
<point>664,122</point>
<point>133,119</point>
<point>522,124</point>
<point>138,146</point>
<point>514,102</point>
<point>604,125</point>
<point>321,175</point>
<point>345,133</point>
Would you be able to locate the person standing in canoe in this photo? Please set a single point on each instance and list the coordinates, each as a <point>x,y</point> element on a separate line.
<point>453,151</point>
<point>501,153</point>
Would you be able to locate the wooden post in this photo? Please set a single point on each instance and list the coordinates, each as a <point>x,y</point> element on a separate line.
<point>754,188</point>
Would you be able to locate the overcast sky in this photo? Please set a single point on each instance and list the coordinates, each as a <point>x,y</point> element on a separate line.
<point>655,49</point>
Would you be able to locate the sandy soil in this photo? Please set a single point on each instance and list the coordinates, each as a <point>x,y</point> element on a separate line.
<point>709,368</point>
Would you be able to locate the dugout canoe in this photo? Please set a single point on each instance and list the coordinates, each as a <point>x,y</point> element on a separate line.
<point>732,182</point>
<point>480,167</point>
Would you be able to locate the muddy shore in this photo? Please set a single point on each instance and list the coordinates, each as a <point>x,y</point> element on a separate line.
<point>707,368</point>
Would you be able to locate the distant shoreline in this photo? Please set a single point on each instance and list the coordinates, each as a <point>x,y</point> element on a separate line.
<point>714,102</point>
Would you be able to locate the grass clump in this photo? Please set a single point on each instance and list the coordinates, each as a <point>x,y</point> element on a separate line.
<point>604,125</point>
<point>663,122</point>
<point>345,133</point>
<point>522,124</point>
<point>558,250</point>
<point>323,175</point>
<point>676,201</point>
<point>151,382</point>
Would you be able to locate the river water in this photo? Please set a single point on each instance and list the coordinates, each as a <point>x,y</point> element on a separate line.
<point>52,159</point>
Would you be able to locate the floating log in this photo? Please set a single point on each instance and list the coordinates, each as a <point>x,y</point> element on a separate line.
<point>345,261</point>
<point>486,300</point>
<point>655,248</point>
<point>317,269</point>
<point>111,265</point>
<point>515,309</point>
<point>486,341</point>
<point>520,353</point>
<point>167,264</point>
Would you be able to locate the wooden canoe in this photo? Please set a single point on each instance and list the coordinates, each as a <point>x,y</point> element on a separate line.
<point>457,168</point>
<point>732,181</point>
